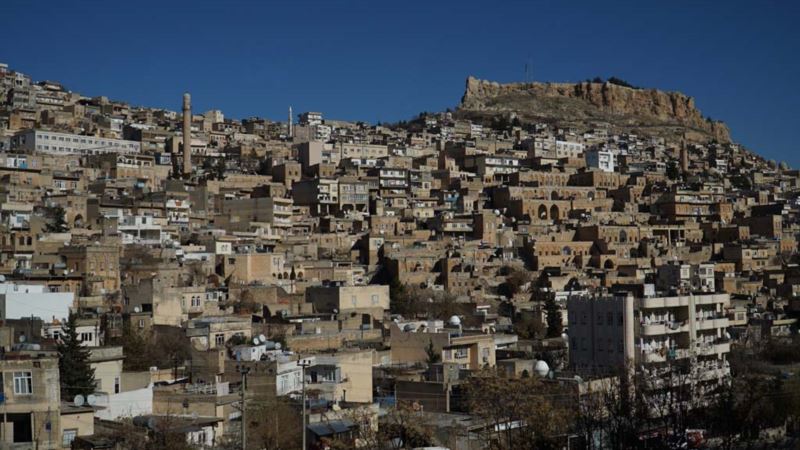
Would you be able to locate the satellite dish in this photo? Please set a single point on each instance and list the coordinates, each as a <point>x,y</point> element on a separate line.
<point>78,400</point>
<point>262,338</point>
<point>91,399</point>
<point>277,346</point>
<point>136,309</point>
<point>22,338</point>
<point>256,341</point>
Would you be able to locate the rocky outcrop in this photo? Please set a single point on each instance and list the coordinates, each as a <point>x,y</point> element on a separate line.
<point>570,102</point>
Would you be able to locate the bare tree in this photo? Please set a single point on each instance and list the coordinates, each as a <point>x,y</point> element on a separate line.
<point>519,413</point>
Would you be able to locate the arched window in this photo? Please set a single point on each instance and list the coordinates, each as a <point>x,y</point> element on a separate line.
<point>554,213</point>
<point>542,212</point>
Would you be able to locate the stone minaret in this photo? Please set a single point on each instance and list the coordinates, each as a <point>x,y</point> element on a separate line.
<point>684,160</point>
<point>187,135</point>
<point>291,123</point>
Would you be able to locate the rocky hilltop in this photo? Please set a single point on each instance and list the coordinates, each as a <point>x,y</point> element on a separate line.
<point>568,104</point>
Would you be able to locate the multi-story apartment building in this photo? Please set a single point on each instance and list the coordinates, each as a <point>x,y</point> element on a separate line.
<point>686,277</point>
<point>700,205</point>
<point>609,333</point>
<point>490,166</point>
<point>391,179</point>
<point>31,403</point>
<point>143,230</point>
<point>311,118</point>
<point>371,299</point>
<point>353,195</point>
<point>275,211</point>
<point>568,149</point>
<point>604,160</point>
<point>99,265</point>
<point>66,143</point>
<point>362,151</point>
<point>321,194</point>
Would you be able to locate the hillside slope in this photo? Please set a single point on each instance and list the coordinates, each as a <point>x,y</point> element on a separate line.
<point>574,104</point>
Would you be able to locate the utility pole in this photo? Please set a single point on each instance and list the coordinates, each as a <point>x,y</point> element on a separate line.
<point>303,364</point>
<point>244,371</point>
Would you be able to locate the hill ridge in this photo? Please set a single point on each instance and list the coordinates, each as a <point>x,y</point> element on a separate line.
<point>568,103</point>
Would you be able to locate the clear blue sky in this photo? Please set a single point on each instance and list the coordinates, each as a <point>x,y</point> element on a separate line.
<point>385,61</point>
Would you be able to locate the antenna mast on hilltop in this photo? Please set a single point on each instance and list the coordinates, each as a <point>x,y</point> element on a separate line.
<point>528,70</point>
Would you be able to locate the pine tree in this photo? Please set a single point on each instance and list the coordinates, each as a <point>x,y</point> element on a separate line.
<point>432,356</point>
<point>672,170</point>
<point>77,376</point>
<point>553,312</point>
<point>57,222</point>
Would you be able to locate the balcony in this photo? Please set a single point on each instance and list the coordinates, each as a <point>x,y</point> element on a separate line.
<point>281,221</point>
<point>712,324</point>
<point>657,329</point>
<point>723,346</point>
<point>663,355</point>
<point>713,348</point>
<point>664,302</point>
<point>713,373</point>
<point>654,357</point>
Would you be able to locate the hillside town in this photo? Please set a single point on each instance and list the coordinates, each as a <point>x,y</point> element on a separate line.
<point>176,279</point>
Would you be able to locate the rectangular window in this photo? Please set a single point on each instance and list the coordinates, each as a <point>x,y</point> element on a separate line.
<point>68,437</point>
<point>374,300</point>
<point>23,383</point>
<point>116,385</point>
<point>220,339</point>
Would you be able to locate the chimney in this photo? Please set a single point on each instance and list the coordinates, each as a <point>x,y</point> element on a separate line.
<point>187,135</point>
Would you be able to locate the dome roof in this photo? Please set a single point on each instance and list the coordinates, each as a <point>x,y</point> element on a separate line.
<point>541,368</point>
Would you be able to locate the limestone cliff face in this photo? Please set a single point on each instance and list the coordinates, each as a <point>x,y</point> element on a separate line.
<point>608,102</point>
